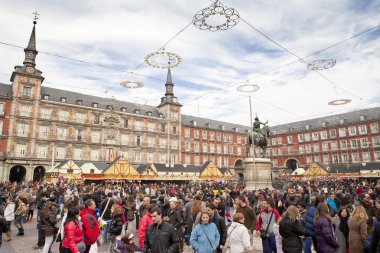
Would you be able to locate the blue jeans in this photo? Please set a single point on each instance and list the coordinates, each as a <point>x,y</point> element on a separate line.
<point>269,244</point>
<point>105,231</point>
<point>306,244</point>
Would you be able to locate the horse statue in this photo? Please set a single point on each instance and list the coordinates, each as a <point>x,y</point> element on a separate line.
<point>258,137</point>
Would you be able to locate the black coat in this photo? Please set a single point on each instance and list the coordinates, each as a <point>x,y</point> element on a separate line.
<point>175,219</point>
<point>221,226</point>
<point>291,232</point>
<point>161,239</point>
<point>48,223</point>
<point>116,225</point>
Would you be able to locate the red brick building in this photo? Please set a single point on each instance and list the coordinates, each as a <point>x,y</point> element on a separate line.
<point>348,138</point>
<point>5,108</point>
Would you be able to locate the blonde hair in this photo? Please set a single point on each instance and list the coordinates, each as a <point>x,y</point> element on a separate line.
<point>359,213</point>
<point>292,213</point>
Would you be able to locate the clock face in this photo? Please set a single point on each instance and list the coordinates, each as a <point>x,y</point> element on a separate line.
<point>29,70</point>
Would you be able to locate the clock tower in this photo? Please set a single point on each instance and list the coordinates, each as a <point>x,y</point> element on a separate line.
<point>170,108</point>
<point>26,89</point>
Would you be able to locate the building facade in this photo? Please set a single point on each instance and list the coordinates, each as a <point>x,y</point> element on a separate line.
<point>348,138</point>
<point>42,126</point>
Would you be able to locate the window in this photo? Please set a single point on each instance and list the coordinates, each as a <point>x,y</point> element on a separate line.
<point>62,132</point>
<point>212,137</point>
<point>123,109</point>
<point>26,91</point>
<point>323,135</point>
<point>77,153</point>
<point>290,139</point>
<point>151,126</point>
<point>219,149</point>
<point>238,139</point>
<point>230,138</point>
<point>196,146</point>
<point>225,162</point>
<point>366,157</point>
<point>151,141</point>
<point>279,141</point>
<point>95,105</point>
<point>315,136</point>
<point>275,162</point>
<point>335,158</point>
<point>364,143</point>
<point>95,136</point>
<point>138,140</point>
<point>225,137</point>
<point>96,119</point>
<point>308,148</point>
<point>162,158</point>
<point>187,146</point>
<point>300,138</point>
<point>301,149</point>
<point>60,152</point>
<point>362,129</point>
<point>63,115</point>
<point>317,159</point>
<point>343,144</point>
<point>174,144</point>
<point>219,161</point>
<point>212,148</point>
<point>79,102</point>
<point>174,130</point>
<point>44,132</point>
<point>25,110</point>
<point>204,147</point>
<point>342,132</point>
<point>334,145</point>
<point>22,130</point>
<point>326,159</point>
<point>187,133</point>
<point>225,149</point>
<point>351,130</point>
<point>45,113</point>
<point>1,127</point>
<point>2,108</point>
<point>94,155</point>
<point>274,152</point>
<point>79,135</point>
<point>137,157</point>
<point>377,156</point>
<point>333,133</point>
<point>163,143</point>
<point>274,141</point>
<point>374,128</point>
<point>81,117</point>
<point>138,125</point>
<point>309,159</point>
<point>41,151</point>
<point>355,157</point>
<point>20,150</point>
<point>345,158</point>
<point>376,141</point>
<point>204,135</point>
<point>280,151</point>
<point>196,134</point>
<point>187,159</point>
<point>126,123</point>
<point>354,143</point>
<point>325,146</point>
<point>239,151</point>
<point>150,157</point>
<point>307,137</point>
<point>231,150</point>
<point>63,100</point>
<point>290,150</point>
<point>316,147</point>
<point>162,127</point>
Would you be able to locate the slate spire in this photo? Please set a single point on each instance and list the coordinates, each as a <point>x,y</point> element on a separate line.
<point>31,51</point>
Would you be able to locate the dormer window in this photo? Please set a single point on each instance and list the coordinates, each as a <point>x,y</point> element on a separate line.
<point>79,102</point>
<point>291,129</point>
<point>222,127</point>
<point>236,130</point>
<point>45,97</point>
<point>161,115</point>
<point>342,121</point>
<point>63,99</point>
<point>149,113</point>
<point>95,105</point>
<point>123,109</point>
<point>307,127</point>
<point>362,118</point>
<point>208,125</point>
<point>324,124</point>
<point>137,111</point>
<point>109,107</point>
<point>194,123</point>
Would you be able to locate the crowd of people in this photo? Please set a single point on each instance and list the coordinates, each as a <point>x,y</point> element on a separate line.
<point>324,215</point>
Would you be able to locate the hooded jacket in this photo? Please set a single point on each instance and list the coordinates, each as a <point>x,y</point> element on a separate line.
<point>238,238</point>
<point>90,226</point>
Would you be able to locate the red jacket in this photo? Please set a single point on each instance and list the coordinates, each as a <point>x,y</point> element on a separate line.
<point>73,235</point>
<point>144,223</point>
<point>90,226</point>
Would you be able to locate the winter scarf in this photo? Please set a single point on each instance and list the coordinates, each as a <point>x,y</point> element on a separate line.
<point>343,227</point>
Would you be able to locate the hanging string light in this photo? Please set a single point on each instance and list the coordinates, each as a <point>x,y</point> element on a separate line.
<point>162,59</point>
<point>321,64</point>
<point>341,101</point>
<point>217,10</point>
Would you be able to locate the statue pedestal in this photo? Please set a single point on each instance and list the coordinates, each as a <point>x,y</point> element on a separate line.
<point>257,173</point>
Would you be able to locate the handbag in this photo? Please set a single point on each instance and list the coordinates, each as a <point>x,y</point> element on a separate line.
<point>93,248</point>
<point>81,247</point>
<point>264,234</point>
<point>208,238</point>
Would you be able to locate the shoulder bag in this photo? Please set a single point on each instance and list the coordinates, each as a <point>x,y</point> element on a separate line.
<point>208,238</point>
<point>264,234</point>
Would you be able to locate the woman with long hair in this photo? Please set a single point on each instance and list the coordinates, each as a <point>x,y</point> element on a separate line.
<point>291,230</point>
<point>48,221</point>
<point>116,225</point>
<point>195,211</point>
<point>73,239</point>
<point>341,229</point>
<point>205,236</point>
<point>357,225</point>
<point>126,244</point>
<point>326,242</point>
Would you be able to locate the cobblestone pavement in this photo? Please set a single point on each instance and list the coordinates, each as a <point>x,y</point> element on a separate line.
<point>25,244</point>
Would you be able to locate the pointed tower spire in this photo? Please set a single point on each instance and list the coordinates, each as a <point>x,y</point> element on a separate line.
<point>31,51</point>
<point>169,83</point>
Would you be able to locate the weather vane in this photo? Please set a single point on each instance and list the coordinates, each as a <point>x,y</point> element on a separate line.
<point>36,14</point>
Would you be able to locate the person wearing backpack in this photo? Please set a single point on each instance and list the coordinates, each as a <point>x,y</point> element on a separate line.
<point>90,224</point>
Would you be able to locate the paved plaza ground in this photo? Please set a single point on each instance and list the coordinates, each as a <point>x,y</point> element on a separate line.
<point>25,244</point>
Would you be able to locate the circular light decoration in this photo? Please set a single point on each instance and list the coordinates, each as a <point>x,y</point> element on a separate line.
<point>341,101</point>
<point>321,64</point>
<point>218,11</point>
<point>162,59</point>
<point>131,84</point>
<point>248,88</point>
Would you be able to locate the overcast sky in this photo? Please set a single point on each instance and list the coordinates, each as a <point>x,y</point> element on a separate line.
<point>118,34</point>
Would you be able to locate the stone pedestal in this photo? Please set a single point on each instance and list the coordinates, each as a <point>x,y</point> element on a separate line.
<point>257,173</point>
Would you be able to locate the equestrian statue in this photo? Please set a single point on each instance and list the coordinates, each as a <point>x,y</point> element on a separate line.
<point>259,138</point>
